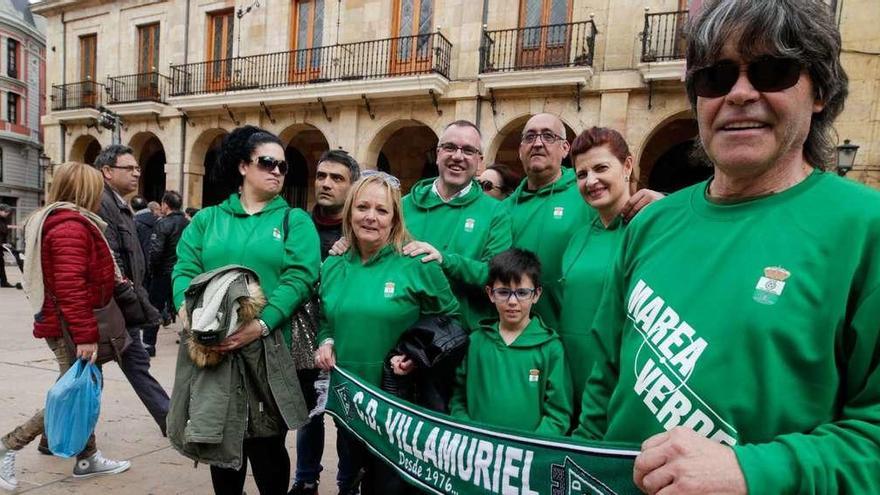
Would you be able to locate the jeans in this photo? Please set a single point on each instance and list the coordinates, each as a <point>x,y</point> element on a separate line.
<point>352,459</point>
<point>135,364</point>
<point>271,465</point>
<point>310,437</point>
<point>160,293</point>
<point>24,434</point>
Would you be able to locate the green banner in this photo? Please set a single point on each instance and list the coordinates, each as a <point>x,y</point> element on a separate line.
<point>447,456</point>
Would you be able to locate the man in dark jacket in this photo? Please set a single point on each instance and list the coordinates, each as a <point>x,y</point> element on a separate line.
<point>145,217</point>
<point>5,220</point>
<point>121,173</point>
<point>336,172</point>
<point>162,255</point>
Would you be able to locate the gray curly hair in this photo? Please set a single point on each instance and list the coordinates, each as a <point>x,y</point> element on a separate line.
<point>800,29</point>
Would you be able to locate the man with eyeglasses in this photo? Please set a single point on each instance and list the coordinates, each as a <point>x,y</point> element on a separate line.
<point>547,209</point>
<point>455,223</point>
<point>121,172</point>
<point>734,341</point>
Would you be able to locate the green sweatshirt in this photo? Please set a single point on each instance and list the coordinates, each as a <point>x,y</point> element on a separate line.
<point>468,231</point>
<point>585,266</point>
<point>367,306</point>
<point>226,234</point>
<point>756,324</point>
<point>524,385</point>
<point>543,222</point>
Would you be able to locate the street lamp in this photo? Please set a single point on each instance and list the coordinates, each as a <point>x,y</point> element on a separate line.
<point>45,161</point>
<point>846,157</point>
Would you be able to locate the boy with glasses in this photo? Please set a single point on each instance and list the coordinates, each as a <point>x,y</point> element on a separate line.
<point>515,374</point>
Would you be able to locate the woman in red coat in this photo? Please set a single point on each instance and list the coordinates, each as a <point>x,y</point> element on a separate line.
<point>75,275</point>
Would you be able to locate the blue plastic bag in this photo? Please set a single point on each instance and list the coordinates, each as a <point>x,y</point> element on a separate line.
<point>72,408</point>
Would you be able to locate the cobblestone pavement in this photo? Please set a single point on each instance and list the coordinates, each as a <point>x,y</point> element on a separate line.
<point>124,431</point>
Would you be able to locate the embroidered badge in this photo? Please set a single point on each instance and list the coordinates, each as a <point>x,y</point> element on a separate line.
<point>558,212</point>
<point>534,375</point>
<point>469,225</point>
<point>389,289</point>
<point>771,285</point>
<point>276,233</point>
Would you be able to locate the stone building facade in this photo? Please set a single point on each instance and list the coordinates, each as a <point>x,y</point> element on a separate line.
<point>381,78</point>
<point>22,105</point>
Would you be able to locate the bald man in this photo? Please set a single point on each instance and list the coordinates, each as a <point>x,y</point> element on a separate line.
<point>547,208</point>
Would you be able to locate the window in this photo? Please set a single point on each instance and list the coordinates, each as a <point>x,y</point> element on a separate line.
<point>307,32</point>
<point>88,51</point>
<point>412,18</point>
<point>148,48</point>
<point>1,164</point>
<point>11,58</point>
<point>12,108</point>
<point>220,28</point>
<point>544,32</point>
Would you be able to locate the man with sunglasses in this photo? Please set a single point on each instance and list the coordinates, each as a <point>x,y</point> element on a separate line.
<point>547,208</point>
<point>455,222</point>
<point>121,172</point>
<point>733,341</point>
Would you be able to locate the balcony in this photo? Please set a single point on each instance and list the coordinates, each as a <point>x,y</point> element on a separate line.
<point>388,67</point>
<point>563,53</point>
<point>138,94</point>
<point>73,96</point>
<point>663,46</point>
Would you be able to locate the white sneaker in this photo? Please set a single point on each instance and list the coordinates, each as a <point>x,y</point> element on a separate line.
<point>97,465</point>
<point>7,469</point>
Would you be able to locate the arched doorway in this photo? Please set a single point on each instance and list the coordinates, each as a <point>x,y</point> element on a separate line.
<point>214,190</point>
<point>407,150</point>
<point>85,149</point>
<point>506,144</point>
<point>305,145</point>
<point>150,155</point>
<point>667,163</point>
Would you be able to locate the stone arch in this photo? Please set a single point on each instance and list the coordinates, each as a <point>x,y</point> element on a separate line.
<point>203,155</point>
<point>505,145</point>
<point>304,143</point>
<point>150,155</point>
<point>85,149</point>
<point>665,162</point>
<point>406,148</point>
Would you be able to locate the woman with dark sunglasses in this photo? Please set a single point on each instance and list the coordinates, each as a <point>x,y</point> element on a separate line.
<point>498,181</point>
<point>248,229</point>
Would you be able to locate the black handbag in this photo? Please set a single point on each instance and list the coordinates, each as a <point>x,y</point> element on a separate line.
<point>113,338</point>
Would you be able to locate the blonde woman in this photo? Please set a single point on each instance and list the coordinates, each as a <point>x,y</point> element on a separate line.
<point>69,264</point>
<point>371,294</point>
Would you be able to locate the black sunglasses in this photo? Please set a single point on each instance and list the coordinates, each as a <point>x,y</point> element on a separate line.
<point>487,185</point>
<point>766,74</point>
<point>268,164</point>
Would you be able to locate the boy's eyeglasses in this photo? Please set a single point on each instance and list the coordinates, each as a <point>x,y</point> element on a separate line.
<point>767,74</point>
<point>520,294</point>
<point>547,137</point>
<point>268,164</point>
<point>468,151</point>
<point>488,185</point>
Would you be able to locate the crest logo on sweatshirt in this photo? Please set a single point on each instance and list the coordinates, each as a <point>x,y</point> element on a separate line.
<point>276,234</point>
<point>534,375</point>
<point>469,225</point>
<point>771,285</point>
<point>389,289</point>
<point>558,212</point>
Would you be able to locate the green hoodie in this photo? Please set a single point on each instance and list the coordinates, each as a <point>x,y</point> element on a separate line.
<point>756,324</point>
<point>543,222</point>
<point>468,231</point>
<point>585,265</point>
<point>524,385</point>
<point>225,234</point>
<point>367,306</point>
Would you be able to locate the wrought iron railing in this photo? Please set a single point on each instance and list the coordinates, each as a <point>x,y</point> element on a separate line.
<point>539,47</point>
<point>146,86</point>
<point>391,57</point>
<point>664,36</point>
<point>83,94</point>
